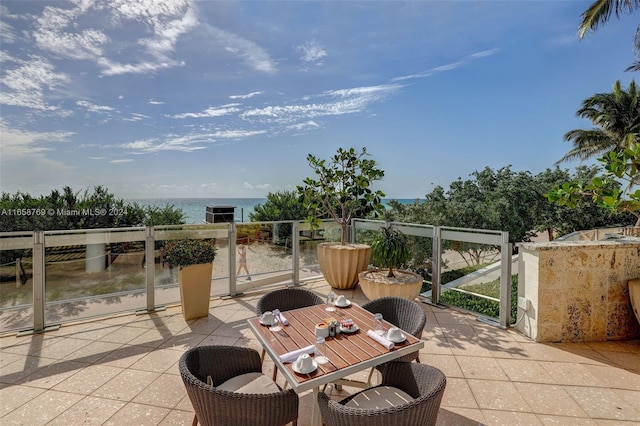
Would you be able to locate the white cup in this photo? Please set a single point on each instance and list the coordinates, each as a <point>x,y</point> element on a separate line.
<point>267,317</point>
<point>341,300</point>
<point>304,362</point>
<point>394,333</point>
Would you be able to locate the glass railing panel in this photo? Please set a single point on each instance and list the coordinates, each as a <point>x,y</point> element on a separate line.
<point>471,273</point>
<point>16,281</point>
<point>93,272</point>
<point>166,275</point>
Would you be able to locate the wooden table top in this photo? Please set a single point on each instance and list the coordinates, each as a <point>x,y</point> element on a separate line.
<point>347,353</point>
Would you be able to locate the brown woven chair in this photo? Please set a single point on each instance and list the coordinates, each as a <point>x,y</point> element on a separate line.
<point>424,383</point>
<point>287,299</point>
<point>219,407</point>
<point>403,313</point>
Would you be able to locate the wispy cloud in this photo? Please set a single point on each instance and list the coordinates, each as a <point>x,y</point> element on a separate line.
<point>249,52</point>
<point>447,67</point>
<point>313,52</point>
<point>304,126</point>
<point>27,84</point>
<point>93,107</point>
<point>346,101</point>
<point>484,53</point>
<point>127,160</point>
<point>19,143</point>
<point>60,30</point>
<point>154,102</point>
<point>210,112</point>
<point>247,96</point>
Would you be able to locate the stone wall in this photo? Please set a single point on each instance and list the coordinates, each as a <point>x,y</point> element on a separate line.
<point>578,290</point>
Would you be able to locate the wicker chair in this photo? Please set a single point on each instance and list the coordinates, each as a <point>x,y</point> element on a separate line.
<point>403,313</point>
<point>215,406</point>
<point>287,299</point>
<point>424,383</point>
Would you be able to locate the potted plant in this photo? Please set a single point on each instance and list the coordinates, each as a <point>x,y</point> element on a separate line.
<point>389,250</point>
<point>341,191</point>
<point>194,260</point>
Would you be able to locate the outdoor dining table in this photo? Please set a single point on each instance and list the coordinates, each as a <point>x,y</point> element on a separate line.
<point>348,353</point>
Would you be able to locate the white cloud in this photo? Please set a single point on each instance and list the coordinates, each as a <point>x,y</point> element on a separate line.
<point>303,126</point>
<point>21,143</point>
<point>247,96</point>
<point>59,30</point>
<point>209,112</point>
<point>127,160</point>
<point>93,107</point>
<point>237,134</point>
<point>136,117</point>
<point>312,51</point>
<point>349,101</point>
<point>484,53</point>
<point>27,84</point>
<point>448,67</point>
<point>154,102</point>
<point>252,54</point>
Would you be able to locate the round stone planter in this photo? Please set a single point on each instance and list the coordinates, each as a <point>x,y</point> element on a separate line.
<point>634,295</point>
<point>340,264</point>
<point>375,284</point>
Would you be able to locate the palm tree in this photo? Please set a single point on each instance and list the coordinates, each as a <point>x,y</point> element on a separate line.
<point>616,116</point>
<point>599,13</point>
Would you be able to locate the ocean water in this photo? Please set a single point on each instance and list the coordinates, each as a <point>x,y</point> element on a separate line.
<point>195,208</point>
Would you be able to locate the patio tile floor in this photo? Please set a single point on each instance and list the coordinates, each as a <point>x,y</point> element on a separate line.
<point>124,370</point>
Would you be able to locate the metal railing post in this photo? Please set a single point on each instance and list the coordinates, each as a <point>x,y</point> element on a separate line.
<point>232,259</point>
<point>505,280</point>
<point>38,287</point>
<point>150,272</point>
<point>295,253</point>
<point>435,265</point>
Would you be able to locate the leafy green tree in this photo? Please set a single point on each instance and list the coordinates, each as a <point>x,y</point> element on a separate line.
<point>281,205</point>
<point>599,13</point>
<point>607,190</point>
<point>341,189</point>
<point>71,209</point>
<point>616,117</point>
<point>557,220</point>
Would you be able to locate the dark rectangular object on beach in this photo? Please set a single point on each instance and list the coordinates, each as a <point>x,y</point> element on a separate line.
<point>220,214</point>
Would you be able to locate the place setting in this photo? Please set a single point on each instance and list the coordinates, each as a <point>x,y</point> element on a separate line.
<point>273,319</point>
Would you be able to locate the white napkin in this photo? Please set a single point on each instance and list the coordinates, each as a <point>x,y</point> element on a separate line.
<point>282,319</point>
<point>293,355</point>
<point>380,339</point>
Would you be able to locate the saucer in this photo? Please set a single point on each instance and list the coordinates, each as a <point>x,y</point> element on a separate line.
<point>399,340</point>
<point>267,323</point>
<point>311,369</point>
<point>348,303</point>
<point>350,330</point>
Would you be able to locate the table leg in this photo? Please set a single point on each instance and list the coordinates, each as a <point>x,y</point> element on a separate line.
<point>315,412</point>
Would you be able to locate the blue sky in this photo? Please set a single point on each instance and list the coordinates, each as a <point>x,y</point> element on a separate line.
<point>179,98</point>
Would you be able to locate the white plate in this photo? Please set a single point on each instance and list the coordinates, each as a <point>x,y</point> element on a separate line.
<point>267,323</point>
<point>312,368</point>
<point>345,305</point>
<point>350,330</point>
<point>400,340</point>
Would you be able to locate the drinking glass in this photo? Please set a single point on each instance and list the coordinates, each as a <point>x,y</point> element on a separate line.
<point>377,324</point>
<point>331,300</point>
<point>276,321</point>
<point>321,351</point>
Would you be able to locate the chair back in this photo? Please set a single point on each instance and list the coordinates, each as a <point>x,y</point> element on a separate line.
<point>287,299</point>
<point>426,384</point>
<point>219,407</point>
<point>403,313</point>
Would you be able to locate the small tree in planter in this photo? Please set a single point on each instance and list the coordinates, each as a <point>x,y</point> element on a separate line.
<point>194,259</point>
<point>341,190</point>
<point>389,250</point>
